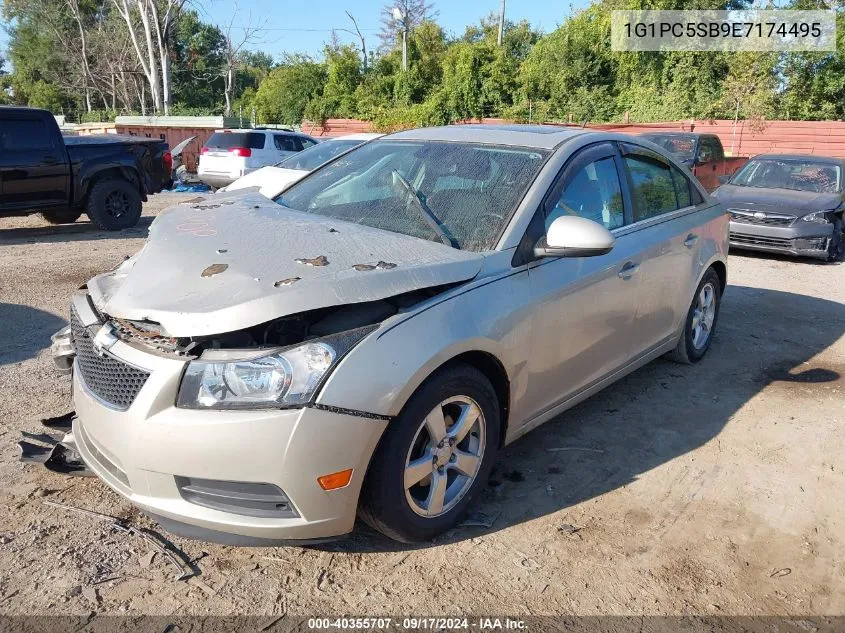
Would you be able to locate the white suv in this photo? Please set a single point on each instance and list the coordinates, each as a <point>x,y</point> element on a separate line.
<point>230,154</point>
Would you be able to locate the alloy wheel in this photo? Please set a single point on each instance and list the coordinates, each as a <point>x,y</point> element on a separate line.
<point>703,316</point>
<point>445,456</point>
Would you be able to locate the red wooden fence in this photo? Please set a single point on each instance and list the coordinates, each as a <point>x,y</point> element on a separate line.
<point>824,138</point>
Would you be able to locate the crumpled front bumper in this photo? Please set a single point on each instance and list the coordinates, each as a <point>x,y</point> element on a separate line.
<point>147,452</point>
<point>61,349</point>
<point>802,239</point>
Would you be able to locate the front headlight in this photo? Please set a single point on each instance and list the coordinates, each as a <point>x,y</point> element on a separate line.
<point>284,378</point>
<point>817,217</point>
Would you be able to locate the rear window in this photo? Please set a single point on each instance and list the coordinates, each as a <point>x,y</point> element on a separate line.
<point>313,157</point>
<point>21,135</point>
<point>228,140</point>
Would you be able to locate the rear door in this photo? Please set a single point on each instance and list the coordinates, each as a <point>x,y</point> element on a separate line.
<point>34,170</point>
<point>667,228</point>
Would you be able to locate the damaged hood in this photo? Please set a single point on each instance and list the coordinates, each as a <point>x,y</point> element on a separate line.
<point>232,262</point>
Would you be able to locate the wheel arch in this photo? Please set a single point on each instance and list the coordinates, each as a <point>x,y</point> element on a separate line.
<point>127,173</point>
<point>493,369</point>
<point>722,270</point>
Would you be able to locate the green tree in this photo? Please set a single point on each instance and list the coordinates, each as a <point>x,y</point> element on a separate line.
<point>284,94</point>
<point>343,75</point>
<point>573,69</point>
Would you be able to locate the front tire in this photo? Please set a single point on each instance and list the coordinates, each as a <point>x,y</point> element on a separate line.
<point>434,458</point>
<point>701,321</point>
<point>113,205</point>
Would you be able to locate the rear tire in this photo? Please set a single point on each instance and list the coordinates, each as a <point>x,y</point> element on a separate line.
<point>456,464</point>
<point>701,321</point>
<point>64,216</point>
<point>113,205</point>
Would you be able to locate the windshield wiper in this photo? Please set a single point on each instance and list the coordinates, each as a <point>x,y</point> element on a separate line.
<point>428,215</point>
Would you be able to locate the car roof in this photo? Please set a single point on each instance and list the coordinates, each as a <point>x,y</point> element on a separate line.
<point>812,157</point>
<point>536,136</point>
<point>260,130</point>
<point>687,134</point>
<point>361,136</point>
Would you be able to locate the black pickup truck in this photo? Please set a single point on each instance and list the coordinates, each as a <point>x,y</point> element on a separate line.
<point>106,177</point>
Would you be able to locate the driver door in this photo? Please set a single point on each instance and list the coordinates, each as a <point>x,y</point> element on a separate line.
<point>584,307</point>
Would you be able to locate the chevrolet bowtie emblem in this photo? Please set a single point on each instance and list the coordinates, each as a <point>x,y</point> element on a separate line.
<point>104,339</point>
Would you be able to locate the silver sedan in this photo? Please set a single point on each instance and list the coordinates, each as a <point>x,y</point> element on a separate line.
<point>264,371</point>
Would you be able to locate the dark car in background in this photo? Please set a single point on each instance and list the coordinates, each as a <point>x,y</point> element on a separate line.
<point>702,153</point>
<point>106,177</point>
<point>787,203</point>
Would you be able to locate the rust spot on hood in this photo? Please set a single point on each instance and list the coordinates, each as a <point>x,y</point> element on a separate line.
<point>214,269</point>
<point>320,260</point>
<point>381,266</point>
<point>286,282</point>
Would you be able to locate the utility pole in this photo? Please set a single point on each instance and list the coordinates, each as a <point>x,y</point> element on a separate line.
<point>501,22</point>
<point>400,16</point>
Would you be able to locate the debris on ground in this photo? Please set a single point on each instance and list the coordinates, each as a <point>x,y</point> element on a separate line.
<point>479,519</point>
<point>162,545</point>
<point>569,530</point>
<point>91,594</point>
<point>147,559</point>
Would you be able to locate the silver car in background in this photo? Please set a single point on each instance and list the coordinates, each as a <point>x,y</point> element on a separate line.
<point>788,203</point>
<point>263,372</point>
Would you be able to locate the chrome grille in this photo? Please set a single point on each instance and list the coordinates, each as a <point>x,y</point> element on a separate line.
<point>755,240</point>
<point>768,219</point>
<point>111,380</point>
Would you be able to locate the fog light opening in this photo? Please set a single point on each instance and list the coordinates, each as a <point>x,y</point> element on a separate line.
<point>336,480</point>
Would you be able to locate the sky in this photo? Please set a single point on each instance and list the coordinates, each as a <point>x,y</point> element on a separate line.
<point>303,26</point>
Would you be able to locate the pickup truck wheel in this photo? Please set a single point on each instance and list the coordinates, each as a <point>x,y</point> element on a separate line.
<point>113,205</point>
<point>61,217</point>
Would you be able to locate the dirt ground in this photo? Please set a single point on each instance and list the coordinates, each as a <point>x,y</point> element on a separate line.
<point>714,489</point>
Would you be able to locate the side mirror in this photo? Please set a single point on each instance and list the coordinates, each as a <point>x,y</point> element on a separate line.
<point>573,236</point>
<point>724,179</point>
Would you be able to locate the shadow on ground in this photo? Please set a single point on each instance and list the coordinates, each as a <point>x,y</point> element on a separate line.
<point>765,338</point>
<point>25,331</point>
<point>80,230</point>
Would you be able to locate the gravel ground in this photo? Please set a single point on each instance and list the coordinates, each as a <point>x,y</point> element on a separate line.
<point>713,489</point>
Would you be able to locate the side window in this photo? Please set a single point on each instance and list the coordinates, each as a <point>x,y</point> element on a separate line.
<point>682,188</point>
<point>306,142</point>
<point>25,135</point>
<point>710,150</point>
<point>654,189</point>
<point>285,143</point>
<point>592,192</point>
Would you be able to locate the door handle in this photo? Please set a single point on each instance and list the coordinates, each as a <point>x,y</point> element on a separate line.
<point>628,270</point>
<point>692,238</point>
<point>49,160</point>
